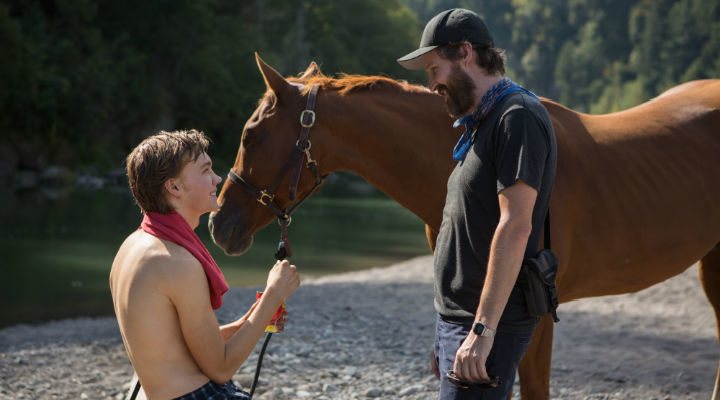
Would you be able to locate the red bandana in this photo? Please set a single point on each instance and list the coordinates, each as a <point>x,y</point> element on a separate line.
<point>174,228</point>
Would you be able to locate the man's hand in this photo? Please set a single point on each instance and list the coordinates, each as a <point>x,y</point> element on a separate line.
<point>471,357</point>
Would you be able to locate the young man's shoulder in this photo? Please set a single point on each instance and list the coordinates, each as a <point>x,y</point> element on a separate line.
<point>155,257</point>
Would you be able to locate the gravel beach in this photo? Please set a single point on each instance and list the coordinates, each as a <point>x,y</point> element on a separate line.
<point>366,335</point>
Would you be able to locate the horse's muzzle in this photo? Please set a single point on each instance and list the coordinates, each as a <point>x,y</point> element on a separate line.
<point>228,234</point>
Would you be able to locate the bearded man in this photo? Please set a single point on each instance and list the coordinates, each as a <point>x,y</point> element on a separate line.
<point>497,200</point>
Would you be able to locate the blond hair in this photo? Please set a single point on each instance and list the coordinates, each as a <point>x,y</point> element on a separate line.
<point>158,158</point>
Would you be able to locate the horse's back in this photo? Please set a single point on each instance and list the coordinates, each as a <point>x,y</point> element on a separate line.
<point>692,108</point>
<point>639,177</point>
<point>693,104</point>
<point>712,85</point>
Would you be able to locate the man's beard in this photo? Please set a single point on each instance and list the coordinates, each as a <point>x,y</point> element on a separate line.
<point>459,93</point>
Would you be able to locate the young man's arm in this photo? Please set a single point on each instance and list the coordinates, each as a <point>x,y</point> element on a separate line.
<point>228,330</point>
<point>506,256</point>
<point>217,358</point>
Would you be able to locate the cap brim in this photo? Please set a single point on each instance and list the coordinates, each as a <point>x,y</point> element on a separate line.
<point>413,60</point>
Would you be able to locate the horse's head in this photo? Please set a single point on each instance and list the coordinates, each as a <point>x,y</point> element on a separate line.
<point>267,158</point>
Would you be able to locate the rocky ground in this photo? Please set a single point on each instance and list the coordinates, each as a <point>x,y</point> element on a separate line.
<point>366,335</point>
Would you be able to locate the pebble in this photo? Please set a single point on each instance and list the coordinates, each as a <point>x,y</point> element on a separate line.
<point>410,390</point>
<point>244,380</point>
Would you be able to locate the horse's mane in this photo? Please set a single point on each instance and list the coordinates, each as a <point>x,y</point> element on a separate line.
<point>346,83</point>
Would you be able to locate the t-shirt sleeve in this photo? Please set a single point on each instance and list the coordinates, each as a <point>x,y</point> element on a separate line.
<point>521,150</point>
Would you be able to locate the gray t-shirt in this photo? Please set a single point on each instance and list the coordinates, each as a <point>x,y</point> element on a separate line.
<point>515,141</point>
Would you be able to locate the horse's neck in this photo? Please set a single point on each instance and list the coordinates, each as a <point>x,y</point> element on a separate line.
<point>400,142</point>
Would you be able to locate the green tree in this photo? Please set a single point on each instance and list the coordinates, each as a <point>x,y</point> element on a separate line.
<point>84,80</point>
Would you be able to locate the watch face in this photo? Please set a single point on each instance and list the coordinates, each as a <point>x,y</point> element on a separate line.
<point>478,328</point>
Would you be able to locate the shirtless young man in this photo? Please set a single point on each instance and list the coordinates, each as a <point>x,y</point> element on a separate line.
<point>164,292</point>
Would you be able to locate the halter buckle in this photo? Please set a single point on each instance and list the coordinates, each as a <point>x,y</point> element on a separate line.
<point>263,196</point>
<point>311,115</point>
<point>304,149</point>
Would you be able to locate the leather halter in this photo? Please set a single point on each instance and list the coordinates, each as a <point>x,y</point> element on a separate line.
<point>294,164</point>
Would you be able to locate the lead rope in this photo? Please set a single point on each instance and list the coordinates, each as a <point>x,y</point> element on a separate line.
<point>284,251</point>
<point>259,363</point>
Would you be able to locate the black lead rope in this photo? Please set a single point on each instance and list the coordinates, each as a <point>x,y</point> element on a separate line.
<point>259,363</point>
<point>136,390</point>
<point>281,254</point>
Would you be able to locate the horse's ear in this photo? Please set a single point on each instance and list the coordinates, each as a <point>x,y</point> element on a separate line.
<point>273,80</point>
<point>312,70</point>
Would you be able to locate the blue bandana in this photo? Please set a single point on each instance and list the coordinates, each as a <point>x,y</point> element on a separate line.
<point>488,102</point>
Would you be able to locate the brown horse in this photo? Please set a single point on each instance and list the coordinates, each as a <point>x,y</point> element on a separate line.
<point>636,199</point>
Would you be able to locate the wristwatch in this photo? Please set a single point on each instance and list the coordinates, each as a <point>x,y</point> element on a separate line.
<point>482,330</point>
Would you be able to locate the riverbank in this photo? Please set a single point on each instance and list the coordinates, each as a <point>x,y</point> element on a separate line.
<point>366,334</point>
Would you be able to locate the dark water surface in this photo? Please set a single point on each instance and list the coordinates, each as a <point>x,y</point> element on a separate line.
<point>56,247</point>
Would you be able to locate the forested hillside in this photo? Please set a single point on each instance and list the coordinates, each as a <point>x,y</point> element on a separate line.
<point>82,81</point>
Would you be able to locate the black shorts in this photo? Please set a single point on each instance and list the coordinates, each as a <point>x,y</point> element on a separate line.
<point>214,391</point>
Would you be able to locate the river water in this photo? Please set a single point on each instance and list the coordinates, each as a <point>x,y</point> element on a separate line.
<point>56,247</point>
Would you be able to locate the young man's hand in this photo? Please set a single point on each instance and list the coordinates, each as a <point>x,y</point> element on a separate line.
<point>283,279</point>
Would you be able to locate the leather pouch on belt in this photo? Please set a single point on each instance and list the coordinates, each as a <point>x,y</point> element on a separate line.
<point>537,280</point>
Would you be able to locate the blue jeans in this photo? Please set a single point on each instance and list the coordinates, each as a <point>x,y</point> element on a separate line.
<point>508,349</point>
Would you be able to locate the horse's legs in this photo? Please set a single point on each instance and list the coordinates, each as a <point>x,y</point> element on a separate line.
<point>431,236</point>
<point>534,368</point>
<point>710,278</point>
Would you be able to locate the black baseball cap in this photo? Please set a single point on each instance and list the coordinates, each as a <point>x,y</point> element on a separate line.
<point>451,26</point>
